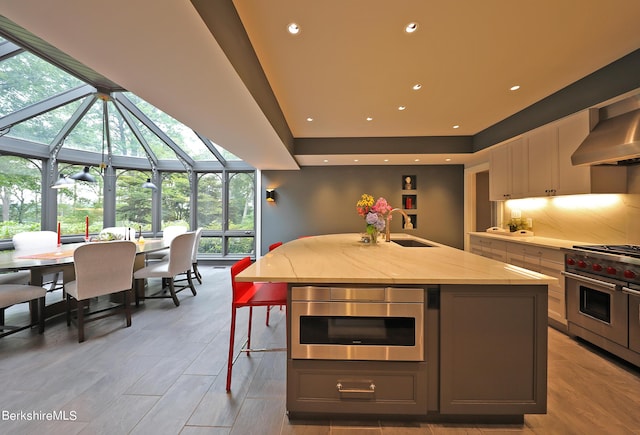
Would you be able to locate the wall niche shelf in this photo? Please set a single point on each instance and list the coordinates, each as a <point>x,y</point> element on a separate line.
<point>409,199</point>
<point>414,221</point>
<point>409,182</point>
<point>409,202</point>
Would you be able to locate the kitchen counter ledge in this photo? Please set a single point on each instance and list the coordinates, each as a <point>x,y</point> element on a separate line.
<point>342,258</point>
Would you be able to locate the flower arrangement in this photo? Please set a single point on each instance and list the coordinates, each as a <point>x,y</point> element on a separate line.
<point>374,214</point>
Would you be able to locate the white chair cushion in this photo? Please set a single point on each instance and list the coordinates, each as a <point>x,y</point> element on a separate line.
<point>158,269</point>
<point>11,294</point>
<point>20,277</point>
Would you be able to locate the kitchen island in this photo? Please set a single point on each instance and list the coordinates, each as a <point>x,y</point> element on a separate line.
<point>478,348</point>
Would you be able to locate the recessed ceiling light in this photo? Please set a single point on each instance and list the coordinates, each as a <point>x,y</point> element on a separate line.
<point>416,160</point>
<point>456,126</point>
<point>293,28</point>
<point>411,27</point>
<point>369,118</point>
<point>514,87</point>
<point>417,87</point>
<point>447,160</point>
<point>386,160</point>
<point>402,107</point>
<point>309,119</point>
<point>326,161</point>
<point>356,160</point>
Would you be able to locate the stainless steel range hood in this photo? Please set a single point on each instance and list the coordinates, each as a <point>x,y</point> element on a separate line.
<point>615,138</point>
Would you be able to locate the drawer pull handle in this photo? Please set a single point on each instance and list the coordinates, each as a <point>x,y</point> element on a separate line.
<point>370,390</point>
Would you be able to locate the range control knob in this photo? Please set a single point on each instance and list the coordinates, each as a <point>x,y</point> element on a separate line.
<point>596,267</point>
<point>571,261</point>
<point>629,274</point>
<point>612,270</point>
<point>582,264</point>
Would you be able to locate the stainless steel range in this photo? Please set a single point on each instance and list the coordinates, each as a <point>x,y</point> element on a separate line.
<point>603,297</point>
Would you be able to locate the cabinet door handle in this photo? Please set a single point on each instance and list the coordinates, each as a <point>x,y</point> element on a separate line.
<point>370,390</point>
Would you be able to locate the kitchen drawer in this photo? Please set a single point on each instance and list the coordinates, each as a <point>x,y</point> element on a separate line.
<point>356,387</point>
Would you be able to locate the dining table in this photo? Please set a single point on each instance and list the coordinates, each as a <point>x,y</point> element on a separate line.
<point>60,260</point>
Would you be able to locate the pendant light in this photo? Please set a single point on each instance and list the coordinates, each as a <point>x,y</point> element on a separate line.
<point>149,185</point>
<point>84,175</point>
<point>63,182</point>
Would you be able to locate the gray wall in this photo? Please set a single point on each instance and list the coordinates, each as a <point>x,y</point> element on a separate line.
<point>322,200</point>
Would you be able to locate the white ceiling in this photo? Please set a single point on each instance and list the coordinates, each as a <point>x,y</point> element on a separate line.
<point>351,60</point>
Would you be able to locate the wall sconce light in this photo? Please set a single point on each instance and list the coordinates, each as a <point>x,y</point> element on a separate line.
<point>271,195</point>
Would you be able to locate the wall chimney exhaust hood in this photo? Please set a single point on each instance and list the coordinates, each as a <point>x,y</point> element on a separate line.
<point>615,138</point>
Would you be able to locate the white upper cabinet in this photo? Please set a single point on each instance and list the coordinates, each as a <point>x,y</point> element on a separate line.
<point>539,164</point>
<point>543,161</point>
<point>508,171</point>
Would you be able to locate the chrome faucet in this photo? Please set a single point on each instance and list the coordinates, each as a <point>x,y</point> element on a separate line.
<point>407,222</point>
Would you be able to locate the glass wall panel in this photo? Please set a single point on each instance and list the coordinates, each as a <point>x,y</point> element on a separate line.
<point>44,128</point>
<point>210,201</point>
<point>133,202</point>
<point>241,201</point>
<point>27,79</point>
<point>176,199</point>
<point>210,245</point>
<point>79,201</point>
<point>123,141</point>
<point>226,154</point>
<point>88,134</point>
<point>182,135</point>
<point>240,245</point>
<point>20,195</point>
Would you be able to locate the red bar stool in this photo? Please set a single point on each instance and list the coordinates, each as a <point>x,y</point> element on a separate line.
<point>251,294</point>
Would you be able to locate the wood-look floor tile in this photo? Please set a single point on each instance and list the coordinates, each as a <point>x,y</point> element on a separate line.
<point>260,417</point>
<point>172,411</point>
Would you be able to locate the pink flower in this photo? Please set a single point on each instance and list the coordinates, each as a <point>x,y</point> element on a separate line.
<point>381,206</point>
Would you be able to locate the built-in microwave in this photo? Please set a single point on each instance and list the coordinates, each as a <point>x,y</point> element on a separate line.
<point>374,324</point>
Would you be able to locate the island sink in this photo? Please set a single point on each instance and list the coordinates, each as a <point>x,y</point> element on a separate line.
<point>412,243</point>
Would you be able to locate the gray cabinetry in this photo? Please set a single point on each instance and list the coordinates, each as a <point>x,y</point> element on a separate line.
<point>356,387</point>
<point>493,349</point>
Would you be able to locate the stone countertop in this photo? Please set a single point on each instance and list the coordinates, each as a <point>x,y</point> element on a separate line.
<point>543,242</point>
<point>344,259</point>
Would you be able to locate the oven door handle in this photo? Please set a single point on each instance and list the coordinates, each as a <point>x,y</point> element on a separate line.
<point>629,291</point>
<point>607,285</point>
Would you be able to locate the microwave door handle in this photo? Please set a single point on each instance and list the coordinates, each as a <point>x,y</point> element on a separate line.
<point>591,281</point>
<point>629,291</point>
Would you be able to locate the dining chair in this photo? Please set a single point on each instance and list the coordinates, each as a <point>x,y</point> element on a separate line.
<point>250,294</point>
<point>18,277</point>
<point>35,242</point>
<point>168,234</point>
<point>102,268</point>
<point>178,261</point>
<point>193,271</point>
<point>271,248</point>
<point>12,294</point>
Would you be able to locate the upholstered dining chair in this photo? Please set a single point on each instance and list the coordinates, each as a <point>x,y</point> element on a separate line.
<point>250,294</point>
<point>178,261</point>
<point>32,242</point>
<point>193,271</point>
<point>102,268</point>
<point>12,294</point>
<point>168,234</point>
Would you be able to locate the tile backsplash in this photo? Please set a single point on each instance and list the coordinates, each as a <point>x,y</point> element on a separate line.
<point>611,219</point>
